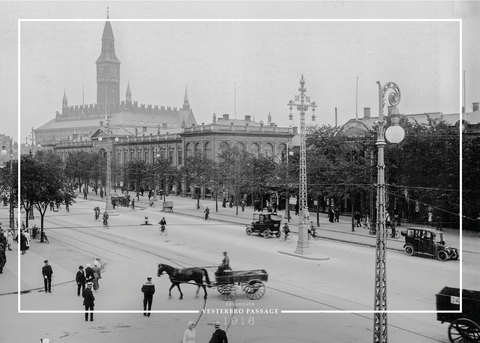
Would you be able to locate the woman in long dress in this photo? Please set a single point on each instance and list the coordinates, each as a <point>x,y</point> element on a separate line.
<point>96,275</point>
<point>189,334</point>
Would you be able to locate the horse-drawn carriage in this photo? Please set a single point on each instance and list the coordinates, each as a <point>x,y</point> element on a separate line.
<point>265,224</point>
<point>167,206</point>
<point>465,325</point>
<point>251,281</point>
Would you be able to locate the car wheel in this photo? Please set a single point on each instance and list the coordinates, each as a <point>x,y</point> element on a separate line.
<point>278,234</point>
<point>248,231</point>
<point>266,234</point>
<point>442,255</point>
<point>408,250</point>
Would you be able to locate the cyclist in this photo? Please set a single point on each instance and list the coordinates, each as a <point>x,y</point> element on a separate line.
<point>163,224</point>
<point>286,231</point>
<point>105,219</point>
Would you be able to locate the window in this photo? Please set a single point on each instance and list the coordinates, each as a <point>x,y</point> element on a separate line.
<point>144,129</point>
<point>179,157</point>
<point>146,156</point>
<point>170,156</point>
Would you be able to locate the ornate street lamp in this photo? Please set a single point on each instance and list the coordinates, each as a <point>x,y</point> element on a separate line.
<point>394,134</point>
<point>108,185</point>
<point>302,102</point>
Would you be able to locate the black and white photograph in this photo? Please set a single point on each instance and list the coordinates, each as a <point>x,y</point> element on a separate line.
<point>240,172</point>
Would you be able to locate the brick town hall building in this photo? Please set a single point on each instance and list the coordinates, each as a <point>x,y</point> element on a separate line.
<point>145,132</point>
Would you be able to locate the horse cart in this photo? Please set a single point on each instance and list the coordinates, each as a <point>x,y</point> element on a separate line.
<point>465,325</point>
<point>251,281</point>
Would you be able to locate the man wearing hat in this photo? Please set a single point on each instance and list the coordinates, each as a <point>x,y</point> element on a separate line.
<point>148,289</point>
<point>47,273</point>
<point>219,336</point>
<point>80,279</point>
<point>88,301</point>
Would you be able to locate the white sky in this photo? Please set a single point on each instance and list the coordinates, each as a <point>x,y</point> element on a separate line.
<point>264,59</point>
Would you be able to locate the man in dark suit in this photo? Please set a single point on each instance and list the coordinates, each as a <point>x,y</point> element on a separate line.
<point>148,290</point>
<point>219,336</point>
<point>88,301</point>
<point>80,279</point>
<point>47,273</point>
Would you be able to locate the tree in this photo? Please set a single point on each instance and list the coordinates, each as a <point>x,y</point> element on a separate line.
<point>44,182</point>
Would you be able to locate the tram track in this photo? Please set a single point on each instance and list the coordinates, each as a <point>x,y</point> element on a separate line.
<point>183,263</point>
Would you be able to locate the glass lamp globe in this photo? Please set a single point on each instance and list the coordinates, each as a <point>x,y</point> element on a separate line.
<point>100,139</point>
<point>395,134</point>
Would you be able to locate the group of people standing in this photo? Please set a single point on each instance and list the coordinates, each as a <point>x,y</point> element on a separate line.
<point>334,215</point>
<point>218,336</point>
<point>6,240</point>
<point>87,279</point>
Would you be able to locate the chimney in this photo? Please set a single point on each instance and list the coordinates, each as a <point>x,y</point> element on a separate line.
<point>475,106</point>
<point>366,113</point>
<point>225,116</point>
<point>248,118</point>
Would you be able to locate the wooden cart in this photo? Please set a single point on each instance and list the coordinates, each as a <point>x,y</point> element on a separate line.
<point>465,325</point>
<point>251,281</point>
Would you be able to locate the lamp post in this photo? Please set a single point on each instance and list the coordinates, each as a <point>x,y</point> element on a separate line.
<point>287,196</point>
<point>302,102</point>
<point>394,134</point>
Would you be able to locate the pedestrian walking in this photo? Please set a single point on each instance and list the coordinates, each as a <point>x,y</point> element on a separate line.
<point>189,334</point>
<point>207,213</point>
<point>337,215</point>
<point>80,279</point>
<point>24,242</point>
<point>9,239</point>
<point>3,259</point>
<point>85,193</point>
<point>96,269</point>
<point>3,239</point>
<point>219,336</point>
<point>133,204</point>
<point>331,215</point>
<point>242,203</point>
<point>148,290</point>
<point>88,301</point>
<point>101,193</point>
<point>47,273</point>
<point>89,274</point>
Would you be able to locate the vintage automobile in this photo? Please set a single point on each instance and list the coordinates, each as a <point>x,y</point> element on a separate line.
<point>265,224</point>
<point>427,242</point>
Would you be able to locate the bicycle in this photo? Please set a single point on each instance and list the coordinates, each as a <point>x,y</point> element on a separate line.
<point>163,230</point>
<point>312,236</point>
<point>285,238</point>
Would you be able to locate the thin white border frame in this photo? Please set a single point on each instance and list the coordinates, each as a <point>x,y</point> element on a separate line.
<point>252,20</point>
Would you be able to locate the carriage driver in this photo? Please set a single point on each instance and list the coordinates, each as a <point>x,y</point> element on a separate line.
<point>225,265</point>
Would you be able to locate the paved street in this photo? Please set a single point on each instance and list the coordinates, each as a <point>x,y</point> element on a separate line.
<point>129,246</point>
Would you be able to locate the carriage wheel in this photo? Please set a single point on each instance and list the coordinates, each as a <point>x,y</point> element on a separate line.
<point>248,231</point>
<point>255,289</point>
<point>464,330</point>
<point>266,234</point>
<point>442,255</point>
<point>227,292</point>
<point>408,250</point>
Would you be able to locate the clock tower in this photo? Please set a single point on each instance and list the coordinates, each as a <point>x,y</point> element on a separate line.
<point>108,69</point>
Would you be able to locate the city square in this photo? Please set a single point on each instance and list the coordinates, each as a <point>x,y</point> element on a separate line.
<point>245,175</point>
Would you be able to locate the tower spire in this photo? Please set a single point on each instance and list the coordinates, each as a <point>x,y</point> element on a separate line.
<point>186,104</point>
<point>64,103</point>
<point>108,14</point>
<point>129,94</point>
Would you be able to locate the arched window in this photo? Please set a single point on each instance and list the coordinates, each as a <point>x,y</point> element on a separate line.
<point>208,151</point>
<point>240,146</point>
<point>198,150</point>
<point>224,146</point>
<point>189,149</point>
<point>268,150</point>
<point>255,149</point>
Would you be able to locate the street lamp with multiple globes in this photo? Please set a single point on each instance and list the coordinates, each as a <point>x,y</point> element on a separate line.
<point>302,102</point>
<point>108,183</point>
<point>394,134</point>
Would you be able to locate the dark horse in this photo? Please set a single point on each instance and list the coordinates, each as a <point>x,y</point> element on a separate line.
<point>178,276</point>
